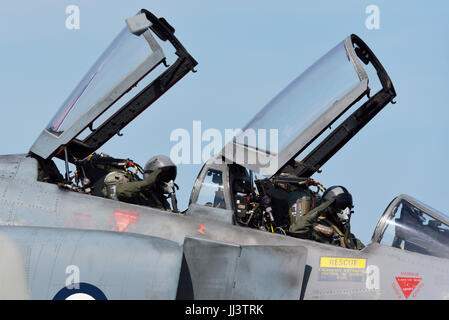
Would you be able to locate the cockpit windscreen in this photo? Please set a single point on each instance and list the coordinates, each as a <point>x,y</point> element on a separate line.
<point>415,227</point>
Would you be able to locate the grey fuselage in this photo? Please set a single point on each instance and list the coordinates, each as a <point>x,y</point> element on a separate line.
<point>137,252</point>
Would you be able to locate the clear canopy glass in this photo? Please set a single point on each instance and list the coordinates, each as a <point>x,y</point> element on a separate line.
<point>301,112</point>
<point>413,226</point>
<point>306,98</point>
<point>211,192</point>
<point>126,52</point>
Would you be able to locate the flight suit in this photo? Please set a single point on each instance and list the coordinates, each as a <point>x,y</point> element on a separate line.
<point>143,192</point>
<point>315,226</point>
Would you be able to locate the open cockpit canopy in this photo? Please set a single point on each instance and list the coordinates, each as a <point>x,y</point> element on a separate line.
<point>301,112</point>
<point>131,56</point>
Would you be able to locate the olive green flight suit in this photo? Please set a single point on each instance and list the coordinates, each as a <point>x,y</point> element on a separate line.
<point>315,226</point>
<point>143,192</point>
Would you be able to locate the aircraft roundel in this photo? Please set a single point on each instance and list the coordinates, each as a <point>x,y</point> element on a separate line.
<point>84,291</point>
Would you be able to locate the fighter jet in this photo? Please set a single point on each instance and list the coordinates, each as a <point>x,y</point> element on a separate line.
<point>62,239</point>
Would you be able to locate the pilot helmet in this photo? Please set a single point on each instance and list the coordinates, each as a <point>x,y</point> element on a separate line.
<point>112,180</point>
<point>163,163</point>
<point>343,202</point>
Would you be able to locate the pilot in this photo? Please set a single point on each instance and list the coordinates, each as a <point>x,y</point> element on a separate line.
<point>159,176</point>
<point>329,222</point>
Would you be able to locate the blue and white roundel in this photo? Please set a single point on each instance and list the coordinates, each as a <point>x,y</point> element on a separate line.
<point>85,291</point>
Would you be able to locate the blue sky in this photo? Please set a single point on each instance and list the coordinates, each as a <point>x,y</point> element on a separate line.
<point>247,52</point>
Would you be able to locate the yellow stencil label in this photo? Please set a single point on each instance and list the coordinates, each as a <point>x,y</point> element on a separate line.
<point>350,263</point>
